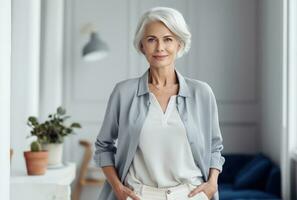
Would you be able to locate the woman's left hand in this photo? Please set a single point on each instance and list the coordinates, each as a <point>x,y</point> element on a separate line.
<point>209,188</point>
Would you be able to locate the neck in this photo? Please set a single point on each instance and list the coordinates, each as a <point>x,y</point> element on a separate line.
<point>162,76</point>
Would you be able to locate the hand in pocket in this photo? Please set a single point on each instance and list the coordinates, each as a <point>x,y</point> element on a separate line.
<point>124,193</point>
<point>205,191</point>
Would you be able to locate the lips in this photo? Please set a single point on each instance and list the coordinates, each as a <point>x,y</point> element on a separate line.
<point>160,57</point>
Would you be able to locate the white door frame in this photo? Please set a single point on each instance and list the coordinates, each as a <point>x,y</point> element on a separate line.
<point>5,72</point>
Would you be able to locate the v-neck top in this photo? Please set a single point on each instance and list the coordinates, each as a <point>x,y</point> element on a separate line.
<point>163,157</point>
<point>157,107</point>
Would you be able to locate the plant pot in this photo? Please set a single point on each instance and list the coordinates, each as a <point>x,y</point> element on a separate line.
<point>55,152</point>
<point>36,162</point>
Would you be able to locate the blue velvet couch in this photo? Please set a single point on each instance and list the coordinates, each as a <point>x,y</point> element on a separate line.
<point>250,177</point>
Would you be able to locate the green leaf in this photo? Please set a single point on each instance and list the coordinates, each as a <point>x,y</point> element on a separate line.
<point>75,125</point>
<point>61,111</point>
<point>66,117</point>
<point>52,130</point>
<point>33,121</point>
<point>68,130</point>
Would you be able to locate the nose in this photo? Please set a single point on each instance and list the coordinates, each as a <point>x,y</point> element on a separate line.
<point>160,46</point>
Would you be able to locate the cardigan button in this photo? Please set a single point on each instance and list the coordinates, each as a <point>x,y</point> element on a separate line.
<point>168,191</point>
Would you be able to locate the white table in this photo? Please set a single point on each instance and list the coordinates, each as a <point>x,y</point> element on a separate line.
<point>53,185</point>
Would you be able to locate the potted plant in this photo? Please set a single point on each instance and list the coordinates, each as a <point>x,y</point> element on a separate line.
<point>51,133</point>
<point>36,159</point>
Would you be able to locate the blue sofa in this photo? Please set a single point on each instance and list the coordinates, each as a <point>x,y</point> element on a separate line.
<point>248,176</point>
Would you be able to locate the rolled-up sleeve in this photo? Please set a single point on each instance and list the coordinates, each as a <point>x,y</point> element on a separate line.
<point>105,148</point>
<point>217,160</point>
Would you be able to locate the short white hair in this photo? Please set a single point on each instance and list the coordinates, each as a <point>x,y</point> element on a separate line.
<point>172,19</point>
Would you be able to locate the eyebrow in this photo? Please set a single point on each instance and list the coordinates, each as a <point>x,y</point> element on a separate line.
<point>156,37</point>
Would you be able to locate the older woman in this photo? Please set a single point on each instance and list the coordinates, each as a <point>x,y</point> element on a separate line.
<point>166,125</point>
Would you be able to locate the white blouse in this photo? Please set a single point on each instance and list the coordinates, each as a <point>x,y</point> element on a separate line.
<point>163,157</point>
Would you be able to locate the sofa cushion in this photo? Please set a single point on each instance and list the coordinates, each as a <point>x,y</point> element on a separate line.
<point>225,186</point>
<point>233,163</point>
<point>246,194</point>
<point>253,173</point>
<point>274,181</point>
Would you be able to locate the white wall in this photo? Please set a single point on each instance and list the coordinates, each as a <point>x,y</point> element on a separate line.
<point>270,60</point>
<point>51,57</point>
<point>24,74</point>
<point>224,54</point>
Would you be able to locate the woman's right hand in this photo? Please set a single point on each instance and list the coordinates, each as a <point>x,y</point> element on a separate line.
<point>122,193</point>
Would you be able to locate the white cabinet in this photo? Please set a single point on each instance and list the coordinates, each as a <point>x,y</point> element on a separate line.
<point>54,185</point>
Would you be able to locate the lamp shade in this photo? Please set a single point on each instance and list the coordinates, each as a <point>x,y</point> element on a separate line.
<point>95,49</point>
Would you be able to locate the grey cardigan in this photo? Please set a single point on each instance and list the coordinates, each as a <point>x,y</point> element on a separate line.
<point>125,114</point>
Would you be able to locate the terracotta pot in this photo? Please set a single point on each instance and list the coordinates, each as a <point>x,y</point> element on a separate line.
<point>36,162</point>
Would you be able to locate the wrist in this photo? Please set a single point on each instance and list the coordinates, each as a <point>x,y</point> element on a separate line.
<point>213,176</point>
<point>213,181</point>
<point>117,185</point>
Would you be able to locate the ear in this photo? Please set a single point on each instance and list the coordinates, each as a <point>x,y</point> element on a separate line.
<point>179,45</point>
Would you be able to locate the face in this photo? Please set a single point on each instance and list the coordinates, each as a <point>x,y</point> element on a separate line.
<point>159,45</point>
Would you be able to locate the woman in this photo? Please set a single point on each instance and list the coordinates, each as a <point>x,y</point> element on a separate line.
<point>166,126</point>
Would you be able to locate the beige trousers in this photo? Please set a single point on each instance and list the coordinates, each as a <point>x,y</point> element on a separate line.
<point>179,192</point>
